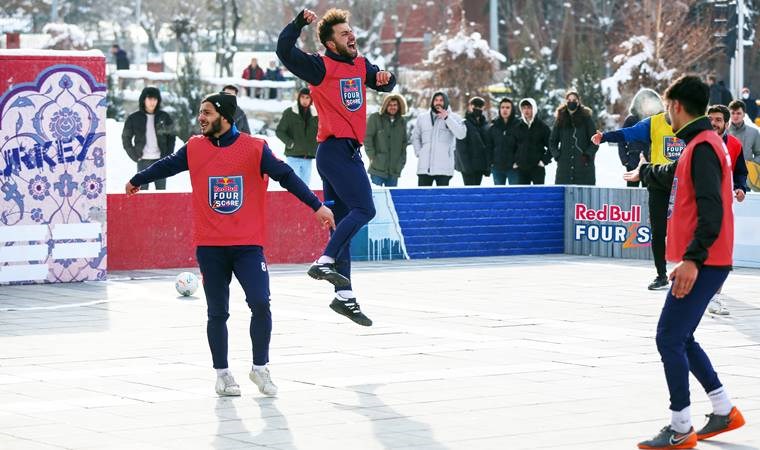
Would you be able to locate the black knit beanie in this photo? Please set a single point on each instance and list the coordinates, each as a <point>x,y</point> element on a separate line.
<point>224,103</point>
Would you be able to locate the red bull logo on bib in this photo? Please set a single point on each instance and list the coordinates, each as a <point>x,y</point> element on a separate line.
<point>351,93</point>
<point>225,194</point>
<point>672,147</point>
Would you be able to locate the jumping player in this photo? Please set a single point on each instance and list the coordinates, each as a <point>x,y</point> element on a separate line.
<point>700,240</point>
<point>338,81</point>
<point>229,173</point>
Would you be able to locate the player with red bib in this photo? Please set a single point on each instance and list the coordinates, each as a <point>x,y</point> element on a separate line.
<point>700,239</point>
<point>229,173</point>
<point>338,81</point>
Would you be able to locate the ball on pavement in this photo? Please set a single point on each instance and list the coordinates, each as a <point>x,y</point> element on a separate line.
<point>186,283</point>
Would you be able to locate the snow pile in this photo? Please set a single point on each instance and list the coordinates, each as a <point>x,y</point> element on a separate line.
<point>473,45</point>
<point>637,61</point>
<point>65,36</point>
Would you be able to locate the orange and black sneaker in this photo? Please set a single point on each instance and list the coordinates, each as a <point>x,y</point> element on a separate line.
<point>669,438</point>
<point>717,424</point>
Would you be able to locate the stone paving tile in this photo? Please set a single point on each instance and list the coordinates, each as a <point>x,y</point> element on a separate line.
<point>551,352</point>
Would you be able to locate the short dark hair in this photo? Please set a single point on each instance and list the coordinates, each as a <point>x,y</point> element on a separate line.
<point>231,87</point>
<point>332,17</point>
<point>506,100</point>
<point>691,92</point>
<point>526,102</point>
<point>736,104</point>
<point>720,109</point>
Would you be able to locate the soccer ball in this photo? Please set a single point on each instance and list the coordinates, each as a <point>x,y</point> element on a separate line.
<point>186,284</point>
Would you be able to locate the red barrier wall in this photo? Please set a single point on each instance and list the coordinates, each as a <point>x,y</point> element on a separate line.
<point>154,231</point>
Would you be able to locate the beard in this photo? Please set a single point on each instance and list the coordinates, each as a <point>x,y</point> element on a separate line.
<point>216,127</point>
<point>345,51</point>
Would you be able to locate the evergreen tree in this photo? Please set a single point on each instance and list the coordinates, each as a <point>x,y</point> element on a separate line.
<point>187,97</point>
<point>589,73</point>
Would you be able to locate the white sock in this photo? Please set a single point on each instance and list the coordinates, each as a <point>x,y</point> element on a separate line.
<point>345,295</point>
<point>681,420</point>
<point>255,367</point>
<point>721,402</point>
<point>325,260</point>
<point>221,372</point>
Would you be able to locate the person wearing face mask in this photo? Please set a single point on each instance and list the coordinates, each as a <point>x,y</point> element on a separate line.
<point>664,147</point>
<point>472,155</point>
<point>750,102</point>
<point>570,142</point>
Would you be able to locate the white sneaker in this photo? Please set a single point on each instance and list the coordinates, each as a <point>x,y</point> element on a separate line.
<point>227,386</point>
<point>263,380</point>
<point>717,306</point>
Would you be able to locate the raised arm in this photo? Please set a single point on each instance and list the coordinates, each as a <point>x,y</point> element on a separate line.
<point>309,68</point>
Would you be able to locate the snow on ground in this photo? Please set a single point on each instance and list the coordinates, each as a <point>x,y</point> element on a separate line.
<point>119,168</point>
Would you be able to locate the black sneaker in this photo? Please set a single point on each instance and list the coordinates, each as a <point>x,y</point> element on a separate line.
<point>658,283</point>
<point>327,272</point>
<point>350,308</point>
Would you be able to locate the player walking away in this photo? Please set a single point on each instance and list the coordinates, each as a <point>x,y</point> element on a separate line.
<point>338,81</point>
<point>229,173</point>
<point>700,240</point>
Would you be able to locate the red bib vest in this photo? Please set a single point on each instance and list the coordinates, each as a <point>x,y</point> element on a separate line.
<point>682,213</point>
<point>341,100</point>
<point>734,149</point>
<point>229,193</point>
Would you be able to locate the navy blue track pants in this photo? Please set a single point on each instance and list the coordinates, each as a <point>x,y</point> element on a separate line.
<point>247,262</point>
<point>679,351</point>
<point>339,163</point>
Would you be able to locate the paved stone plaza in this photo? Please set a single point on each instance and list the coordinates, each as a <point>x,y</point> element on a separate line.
<point>467,354</point>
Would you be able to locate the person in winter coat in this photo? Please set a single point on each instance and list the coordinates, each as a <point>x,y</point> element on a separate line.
<point>750,102</point>
<point>385,141</point>
<point>531,145</point>
<point>273,74</point>
<point>298,131</point>
<point>148,134</point>
<point>501,139</point>
<point>241,120</point>
<point>472,154</point>
<point>747,134</point>
<point>434,140</point>
<point>645,103</point>
<point>570,142</point>
<point>253,72</point>
<point>120,57</point>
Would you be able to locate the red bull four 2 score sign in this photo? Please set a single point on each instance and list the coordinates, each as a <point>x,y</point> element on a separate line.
<point>611,223</point>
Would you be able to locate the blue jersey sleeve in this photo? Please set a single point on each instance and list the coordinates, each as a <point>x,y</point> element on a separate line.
<point>371,78</point>
<point>165,167</point>
<point>309,68</point>
<point>284,174</point>
<point>641,132</point>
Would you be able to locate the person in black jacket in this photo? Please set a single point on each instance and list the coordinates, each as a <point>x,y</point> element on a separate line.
<point>148,134</point>
<point>702,220</point>
<point>501,139</point>
<point>241,120</point>
<point>120,57</point>
<point>472,155</point>
<point>531,145</point>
